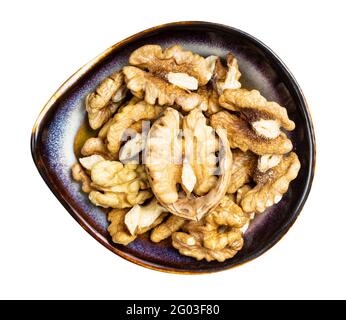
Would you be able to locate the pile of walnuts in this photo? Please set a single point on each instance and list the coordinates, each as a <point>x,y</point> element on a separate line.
<point>183,151</point>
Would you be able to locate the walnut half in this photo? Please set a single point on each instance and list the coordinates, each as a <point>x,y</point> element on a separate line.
<point>217,237</point>
<point>241,135</point>
<point>172,60</point>
<point>118,186</point>
<point>271,185</point>
<point>164,165</point>
<point>243,100</point>
<point>127,116</point>
<point>142,218</point>
<point>244,165</point>
<point>102,103</point>
<point>145,85</point>
<point>167,228</point>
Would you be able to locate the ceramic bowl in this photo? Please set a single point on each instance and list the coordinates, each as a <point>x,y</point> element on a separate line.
<point>55,150</point>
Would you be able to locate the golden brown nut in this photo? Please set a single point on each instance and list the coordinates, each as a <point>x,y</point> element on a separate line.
<point>182,80</point>
<point>79,175</point>
<point>132,148</point>
<point>268,161</point>
<point>102,103</point>
<point>98,117</point>
<point>217,237</point>
<point>163,163</point>
<point>163,156</point>
<point>271,185</point>
<point>90,161</point>
<point>126,117</point>
<point>167,228</point>
<point>244,165</point>
<point>153,90</point>
<point>220,72</point>
<point>257,107</point>
<point>242,136</point>
<point>94,146</point>
<point>118,199</point>
<point>123,186</point>
<point>188,177</point>
<point>241,192</point>
<point>189,245</point>
<point>200,145</point>
<point>195,208</point>
<point>174,59</point>
<point>117,228</point>
<point>121,220</point>
<point>137,126</point>
<point>227,78</point>
<point>227,213</point>
<point>209,100</point>
<point>104,130</point>
<point>140,219</point>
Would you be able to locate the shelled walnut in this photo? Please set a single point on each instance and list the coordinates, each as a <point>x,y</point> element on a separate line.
<point>242,136</point>
<point>79,175</point>
<point>200,146</point>
<point>164,164</point>
<point>118,186</point>
<point>125,226</point>
<point>244,164</point>
<point>271,185</point>
<point>217,237</point>
<point>167,228</point>
<point>107,97</point>
<point>227,78</point>
<point>265,117</point>
<point>172,60</point>
<point>126,117</point>
<point>140,219</point>
<point>153,90</point>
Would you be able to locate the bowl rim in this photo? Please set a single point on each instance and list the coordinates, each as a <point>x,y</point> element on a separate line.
<point>276,237</point>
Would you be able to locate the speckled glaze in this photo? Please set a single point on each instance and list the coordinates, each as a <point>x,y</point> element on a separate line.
<point>53,138</point>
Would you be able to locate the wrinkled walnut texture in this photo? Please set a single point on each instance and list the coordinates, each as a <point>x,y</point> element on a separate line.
<point>205,240</point>
<point>126,117</point>
<point>95,146</point>
<point>79,175</point>
<point>240,135</point>
<point>227,78</point>
<point>209,99</point>
<point>99,104</point>
<point>163,156</point>
<point>239,99</point>
<point>123,186</point>
<point>167,228</point>
<point>271,185</point>
<point>173,59</point>
<point>202,144</point>
<point>117,228</point>
<point>164,168</point>
<point>140,219</point>
<point>153,90</point>
<point>244,164</point>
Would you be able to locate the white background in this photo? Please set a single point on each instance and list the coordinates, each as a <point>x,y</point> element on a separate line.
<point>44,253</point>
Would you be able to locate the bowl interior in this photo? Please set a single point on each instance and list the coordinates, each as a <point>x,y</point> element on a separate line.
<point>53,139</point>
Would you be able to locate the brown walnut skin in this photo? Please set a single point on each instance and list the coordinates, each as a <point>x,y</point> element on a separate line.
<point>174,59</point>
<point>239,99</point>
<point>242,136</point>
